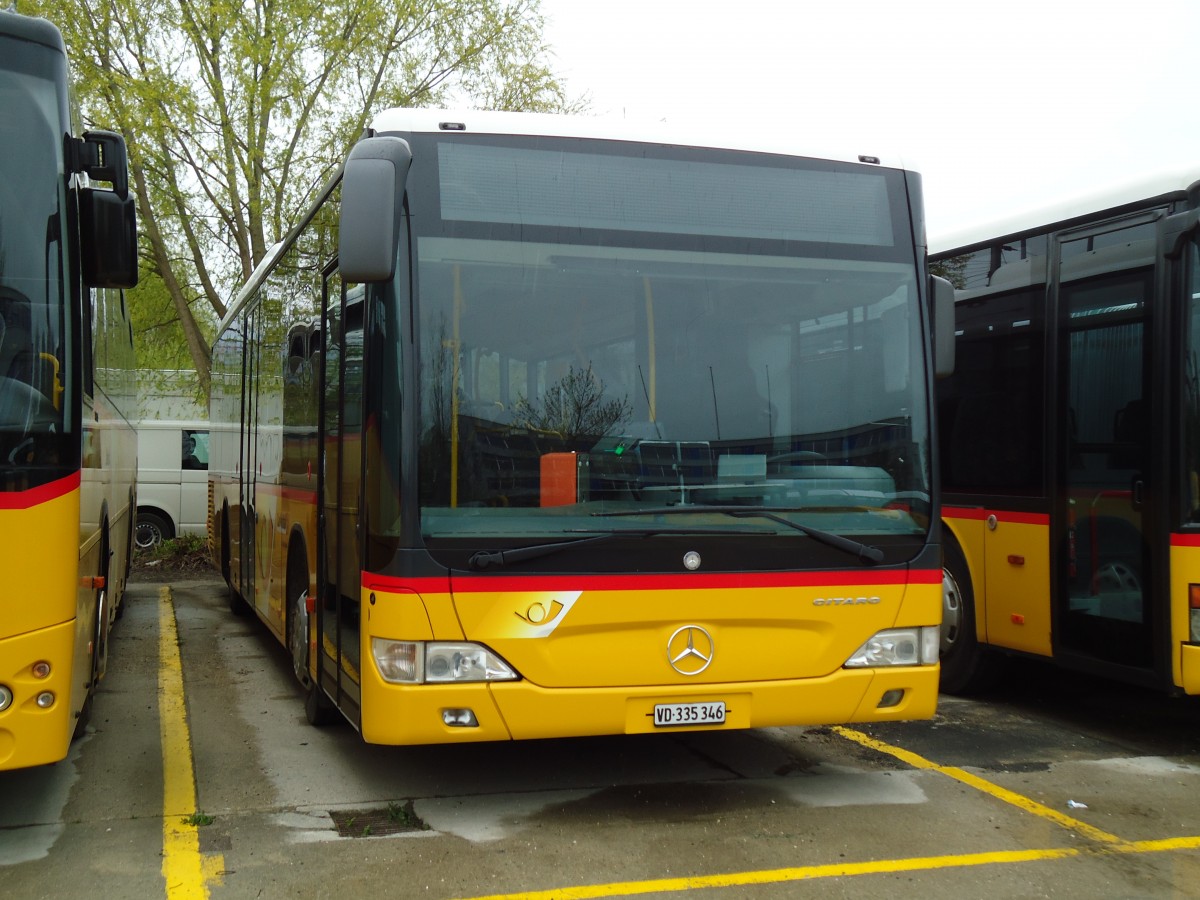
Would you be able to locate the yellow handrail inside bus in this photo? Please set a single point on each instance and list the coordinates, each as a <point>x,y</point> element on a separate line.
<point>650,399</point>
<point>458,301</point>
<point>58,386</point>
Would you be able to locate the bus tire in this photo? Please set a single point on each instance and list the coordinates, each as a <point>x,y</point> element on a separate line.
<point>318,708</point>
<point>99,658</point>
<point>237,605</point>
<point>967,667</point>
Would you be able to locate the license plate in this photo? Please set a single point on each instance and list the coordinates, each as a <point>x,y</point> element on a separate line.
<point>706,713</point>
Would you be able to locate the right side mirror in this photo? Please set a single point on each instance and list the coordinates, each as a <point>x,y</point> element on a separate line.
<point>372,198</point>
<point>941,292</point>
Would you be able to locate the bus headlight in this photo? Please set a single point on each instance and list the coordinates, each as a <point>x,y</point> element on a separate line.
<point>5,697</point>
<point>435,662</point>
<point>898,647</point>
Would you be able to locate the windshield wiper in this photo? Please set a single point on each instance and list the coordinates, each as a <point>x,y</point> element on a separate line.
<point>863,552</point>
<point>487,559</point>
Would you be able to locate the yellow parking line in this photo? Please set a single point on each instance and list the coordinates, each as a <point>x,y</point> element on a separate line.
<point>843,870</point>
<point>1107,844</point>
<point>184,868</point>
<point>980,784</point>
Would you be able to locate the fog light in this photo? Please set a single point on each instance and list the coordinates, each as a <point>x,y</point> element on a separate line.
<point>890,698</point>
<point>5,697</point>
<point>45,699</point>
<point>459,718</point>
<point>41,669</point>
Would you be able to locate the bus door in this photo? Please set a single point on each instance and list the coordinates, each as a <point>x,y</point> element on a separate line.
<point>339,570</point>
<point>247,460</point>
<point>1104,583</point>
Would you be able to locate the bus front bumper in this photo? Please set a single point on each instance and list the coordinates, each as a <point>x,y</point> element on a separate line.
<point>518,710</point>
<point>33,734</point>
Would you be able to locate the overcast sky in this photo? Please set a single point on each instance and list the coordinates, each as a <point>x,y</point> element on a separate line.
<point>1001,106</point>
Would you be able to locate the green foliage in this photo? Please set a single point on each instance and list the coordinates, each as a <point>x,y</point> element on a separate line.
<point>573,407</point>
<point>405,816</point>
<point>953,269</point>
<point>236,112</point>
<point>187,551</point>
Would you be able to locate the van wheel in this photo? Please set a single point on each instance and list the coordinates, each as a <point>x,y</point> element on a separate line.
<point>152,529</point>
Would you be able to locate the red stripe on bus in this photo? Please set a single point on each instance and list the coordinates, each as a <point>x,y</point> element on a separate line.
<point>508,583</point>
<point>1185,540</point>
<point>979,514</point>
<point>300,495</point>
<point>41,494</point>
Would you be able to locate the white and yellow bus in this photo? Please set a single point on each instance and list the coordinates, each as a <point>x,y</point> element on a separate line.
<point>1070,439</point>
<point>67,451</point>
<point>542,426</point>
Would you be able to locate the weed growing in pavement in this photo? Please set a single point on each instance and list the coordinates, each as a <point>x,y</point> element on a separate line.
<point>186,553</point>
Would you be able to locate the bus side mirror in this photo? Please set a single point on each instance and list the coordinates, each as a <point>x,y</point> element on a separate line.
<point>372,196</point>
<point>942,292</point>
<point>108,239</point>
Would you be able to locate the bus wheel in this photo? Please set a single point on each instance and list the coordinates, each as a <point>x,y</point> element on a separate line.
<point>99,663</point>
<point>318,708</point>
<point>237,604</point>
<point>966,666</point>
<point>298,637</point>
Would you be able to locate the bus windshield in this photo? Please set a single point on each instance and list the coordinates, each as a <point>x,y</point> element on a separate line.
<point>32,259</point>
<point>613,329</point>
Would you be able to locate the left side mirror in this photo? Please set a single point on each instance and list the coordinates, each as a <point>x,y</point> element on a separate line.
<point>941,292</point>
<point>108,239</point>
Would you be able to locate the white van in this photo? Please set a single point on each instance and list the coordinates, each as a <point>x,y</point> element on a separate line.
<point>172,490</point>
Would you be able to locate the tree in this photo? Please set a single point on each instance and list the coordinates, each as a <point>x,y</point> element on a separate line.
<point>953,269</point>
<point>573,407</point>
<point>236,111</point>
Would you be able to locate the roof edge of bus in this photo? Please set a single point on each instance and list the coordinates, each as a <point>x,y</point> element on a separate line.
<point>250,284</point>
<point>1144,189</point>
<point>752,136</point>
<point>31,28</point>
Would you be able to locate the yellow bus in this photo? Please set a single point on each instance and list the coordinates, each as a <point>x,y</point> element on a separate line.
<point>1070,439</point>
<point>67,453</point>
<point>544,426</point>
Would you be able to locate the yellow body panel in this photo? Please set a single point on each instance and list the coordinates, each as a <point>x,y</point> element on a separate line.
<point>46,615</point>
<point>596,662</point>
<point>1185,570</point>
<point>1009,563</point>
<point>1017,579</point>
<point>40,573</point>
<point>29,735</point>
